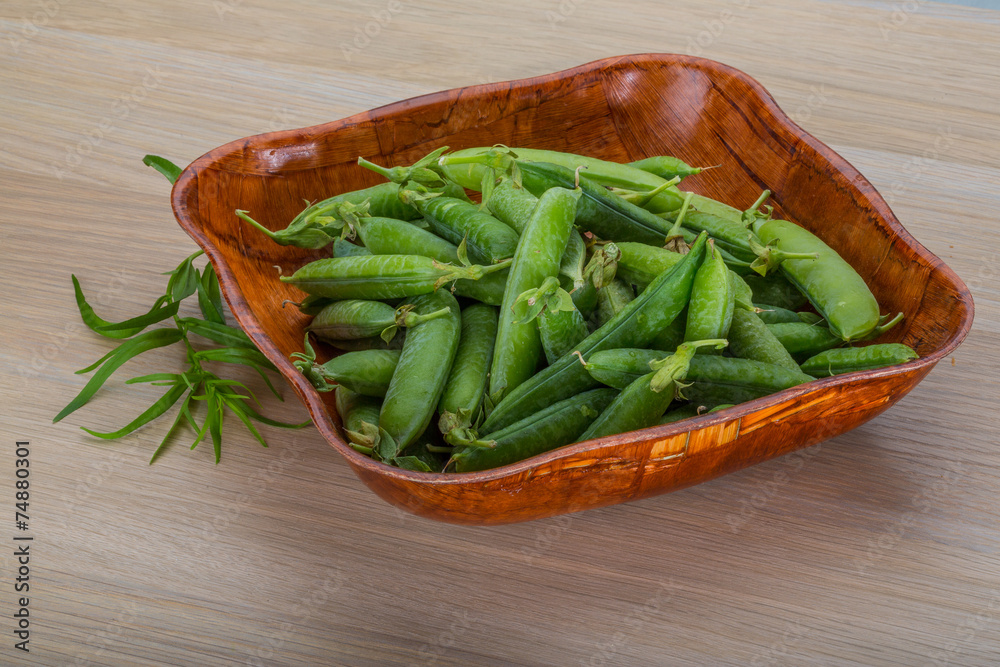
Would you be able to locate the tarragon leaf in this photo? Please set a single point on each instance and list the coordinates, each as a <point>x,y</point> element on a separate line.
<point>130,348</point>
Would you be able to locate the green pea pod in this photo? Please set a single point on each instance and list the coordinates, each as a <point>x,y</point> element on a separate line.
<point>511,204</point>
<point>383,236</point>
<point>344,248</point>
<point>467,167</point>
<point>612,299</point>
<point>599,211</point>
<point>359,416</point>
<point>584,298</point>
<point>424,365</point>
<point>488,239</point>
<point>373,343</point>
<point>851,359</point>
<point>804,340</point>
<point>365,372</point>
<point>555,426</point>
<point>358,318</point>
<point>462,401</point>
<point>833,287</point>
<point>641,263</point>
<point>537,257</point>
<point>671,336</point>
<point>776,314</point>
<point>666,167</point>
<point>379,200</point>
<point>561,331</point>
<point>560,324</point>
<point>713,298</point>
<point>640,321</point>
<point>749,338</point>
<point>739,379</point>
<point>774,289</point>
<point>574,260</point>
<point>380,276</point>
<point>644,400</point>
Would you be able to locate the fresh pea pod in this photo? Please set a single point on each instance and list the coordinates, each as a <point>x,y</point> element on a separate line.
<point>383,236</point>
<point>713,298</point>
<point>775,314</point>
<point>560,325</point>
<point>467,167</point>
<point>365,372</point>
<point>644,400</point>
<point>612,299</point>
<point>511,204</point>
<point>424,365</point>
<point>671,336</point>
<point>804,340</point>
<point>574,260</point>
<point>739,379</point>
<point>833,287</point>
<point>380,276</point>
<point>557,425</point>
<point>666,167</point>
<point>775,289</point>
<point>359,416</point>
<point>643,318</point>
<point>488,239</point>
<point>749,338</point>
<point>344,248</point>
<point>851,359</point>
<point>462,401</point>
<point>639,264</point>
<point>358,318</point>
<point>537,257</point>
<point>599,211</point>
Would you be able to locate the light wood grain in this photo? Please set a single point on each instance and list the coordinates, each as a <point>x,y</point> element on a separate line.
<point>879,547</point>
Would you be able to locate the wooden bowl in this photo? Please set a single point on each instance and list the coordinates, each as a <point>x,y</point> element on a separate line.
<point>620,109</point>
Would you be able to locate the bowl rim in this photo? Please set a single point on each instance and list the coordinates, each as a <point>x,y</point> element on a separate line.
<point>186,187</point>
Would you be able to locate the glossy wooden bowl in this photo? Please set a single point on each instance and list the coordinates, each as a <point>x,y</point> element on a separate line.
<point>620,109</point>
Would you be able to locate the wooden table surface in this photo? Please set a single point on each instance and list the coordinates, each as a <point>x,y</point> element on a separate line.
<point>878,548</point>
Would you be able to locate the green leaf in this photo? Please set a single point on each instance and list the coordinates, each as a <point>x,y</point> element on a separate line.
<point>130,348</point>
<point>230,355</point>
<point>137,324</point>
<point>183,280</point>
<point>411,463</point>
<point>158,378</point>
<point>236,406</point>
<point>164,166</point>
<point>256,416</point>
<point>210,296</point>
<point>222,334</point>
<point>159,407</point>
<point>215,428</point>
<point>177,420</point>
<point>95,323</point>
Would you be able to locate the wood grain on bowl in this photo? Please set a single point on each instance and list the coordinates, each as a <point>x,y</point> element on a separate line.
<point>620,109</point>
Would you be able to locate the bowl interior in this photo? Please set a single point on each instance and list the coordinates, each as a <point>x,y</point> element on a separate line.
<point>619,109</point>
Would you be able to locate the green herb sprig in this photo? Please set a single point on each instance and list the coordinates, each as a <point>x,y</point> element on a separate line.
<point>196,383</point>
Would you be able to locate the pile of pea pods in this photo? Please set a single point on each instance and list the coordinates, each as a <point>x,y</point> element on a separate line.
<point>579,298</point>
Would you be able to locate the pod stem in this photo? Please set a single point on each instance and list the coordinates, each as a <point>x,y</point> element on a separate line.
<point>644,198</point>
<point>405,317</point>
<point>424,171</point>
<point>603,266</point>
<point>473,272</point>
<point>671,370</point>
<point>883,326</point>
<point>751,214</point>
<point>547,296</point>
<point>306,363</point>
<point>770,257</point>
<point>675,240</point>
